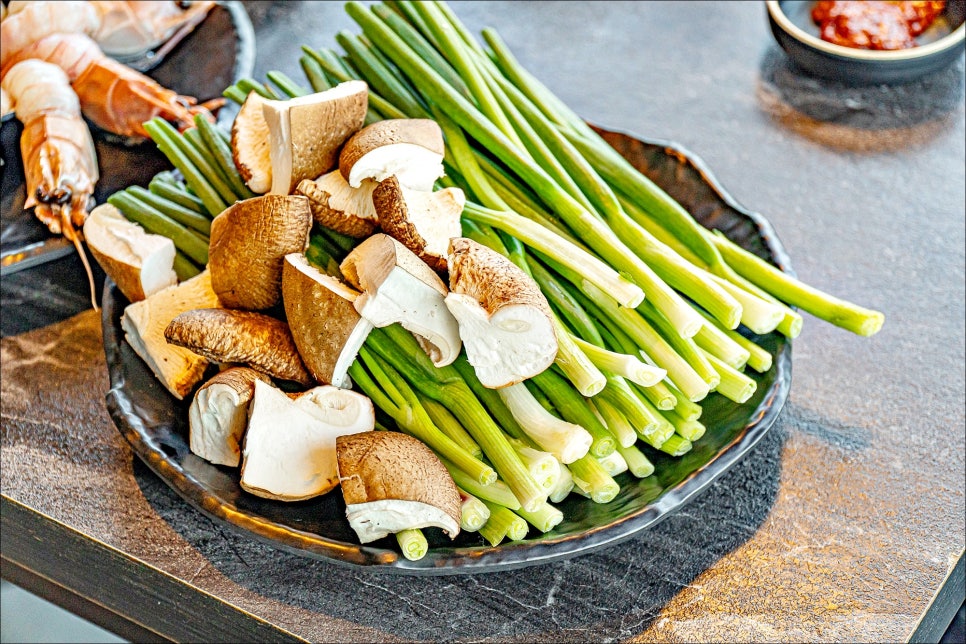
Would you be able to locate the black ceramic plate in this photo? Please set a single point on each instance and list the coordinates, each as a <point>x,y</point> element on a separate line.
<point>156,426</point>
<point>218,52</point>
<point>941,44</point>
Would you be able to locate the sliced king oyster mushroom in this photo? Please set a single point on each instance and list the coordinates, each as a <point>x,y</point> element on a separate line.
<point>504,319</point>
<point>423,222</point>
<point>218,415</point>
<point>399,287</point>
<point>326,327</point>
<point>290,445</point>
<point>393,482</point>
<point>410,149</point>
<point>337,205</point>
<point>248,243</point>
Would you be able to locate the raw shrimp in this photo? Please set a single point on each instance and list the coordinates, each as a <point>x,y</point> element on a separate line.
<point>129,29</point>
<point>60,164</point>
<point>28,22</point>
<point>112,95</point>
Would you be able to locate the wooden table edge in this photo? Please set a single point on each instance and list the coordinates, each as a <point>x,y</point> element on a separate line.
<point>114,590</point>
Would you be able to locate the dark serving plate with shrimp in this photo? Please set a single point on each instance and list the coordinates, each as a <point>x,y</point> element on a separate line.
<point>216,53</point>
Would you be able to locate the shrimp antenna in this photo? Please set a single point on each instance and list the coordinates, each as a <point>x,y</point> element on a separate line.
<point>71,233</point>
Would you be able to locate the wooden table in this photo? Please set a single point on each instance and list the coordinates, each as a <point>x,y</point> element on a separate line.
<point>844,524</point>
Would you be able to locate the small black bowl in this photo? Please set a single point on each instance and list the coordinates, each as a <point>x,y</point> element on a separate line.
<point>796,32</point>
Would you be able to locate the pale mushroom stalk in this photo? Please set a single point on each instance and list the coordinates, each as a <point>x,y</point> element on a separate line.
<point>473,512</point>
<point>397,286</point>
<point>398,348</point>
<point>566,441</point>
<point>378,380</point>
<point>575,364</point>
<point>622,364</point>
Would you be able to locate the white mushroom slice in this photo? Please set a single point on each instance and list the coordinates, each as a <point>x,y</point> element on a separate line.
<point>393,482</point>
<point>325,325</point>
<point>218,415</point>
<point>307,132</point>
<point>346,410</point>
<point>179,369</point>
<point>140,263</point>
<point>410,149</point>
<point>423,221</point>
<point>337,205</point>
<point>399,287</point>
<point>290,450</point>
<point>505,321</point>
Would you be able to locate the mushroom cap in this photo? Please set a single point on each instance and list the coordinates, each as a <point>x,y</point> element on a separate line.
<point>249,241</point>
<point>325,325</point>
<point>505,320</point>
<point>411,149</point>
<point>250,149</point>
<point>290,447</point>
<point>144,323</point>
<point>337,205</point>
<point>370,263</point>
<point>139,263</point>
<point>391,482</point>
<point>307,132</point>
<point>424,222</point>
<point>348,411</point>
<point>218,415</point>
<point>232,336</point>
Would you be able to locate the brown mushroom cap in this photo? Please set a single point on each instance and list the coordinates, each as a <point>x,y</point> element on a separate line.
<point>250,146</point>
<point>231,336</point>
<point>325,325</point>
<point>490,278</point>
<point>382,465</point>
<point>368,264</point>
<point>307,132</point>
<point>423,133</point>
<point>422,222</point>
<point>249,241</point>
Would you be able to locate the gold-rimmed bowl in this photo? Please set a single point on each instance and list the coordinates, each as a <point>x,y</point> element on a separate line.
<point>938,47</point>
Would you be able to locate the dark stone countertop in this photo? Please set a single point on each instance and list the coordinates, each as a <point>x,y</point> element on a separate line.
<point>843,522</point>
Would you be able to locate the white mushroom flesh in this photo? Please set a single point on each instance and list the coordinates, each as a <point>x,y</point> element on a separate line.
<point>289,452</point>
<point>419,308</point>
<point>423,210</point>
<point>345,410</point>
<point>513,344</point>
<point>377,519</point>
<point>345,198</point>
<point>217,419</point>
<point>416,167</point>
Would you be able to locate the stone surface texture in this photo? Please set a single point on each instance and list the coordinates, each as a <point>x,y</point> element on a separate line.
<point>839,526</point>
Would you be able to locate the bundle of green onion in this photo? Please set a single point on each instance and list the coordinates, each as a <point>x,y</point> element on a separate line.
<point>546,191</point>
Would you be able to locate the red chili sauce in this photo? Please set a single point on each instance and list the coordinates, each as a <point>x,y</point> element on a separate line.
<point>874,24</point>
